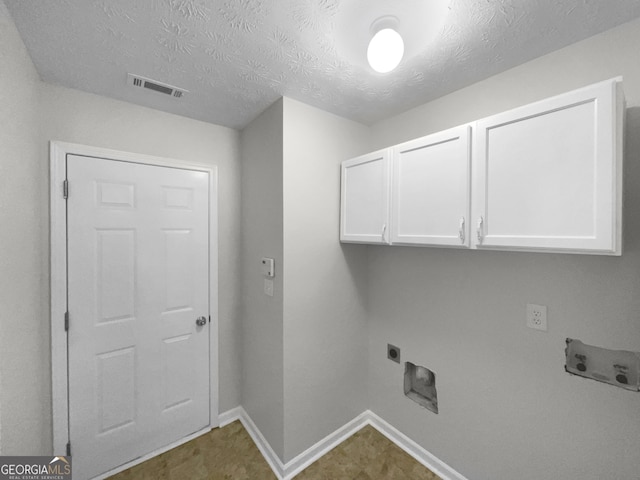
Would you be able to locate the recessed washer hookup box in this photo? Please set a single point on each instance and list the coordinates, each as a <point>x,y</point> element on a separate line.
<point>616,367</point>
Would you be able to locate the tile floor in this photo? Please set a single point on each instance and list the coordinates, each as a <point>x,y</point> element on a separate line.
<point>229,454</point>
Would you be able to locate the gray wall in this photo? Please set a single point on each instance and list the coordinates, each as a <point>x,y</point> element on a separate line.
<point>24,375</point>
<point>325,347</point>
<point>502,388</point>
<point>305,348</point>
<point>262,236</point>
<point>32,114</point>
<point>507,408</point>
<point>73,116</point>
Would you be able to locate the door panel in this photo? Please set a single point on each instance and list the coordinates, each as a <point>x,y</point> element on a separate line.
<point>116,252</point>
<point>138,278</point>
<point>116,389</point>
<point>431,182</point>
<point>547,175</point>
<point>177,357</point>
<point>177,262</point>
<point>364,208</point>
<point>529,165</point>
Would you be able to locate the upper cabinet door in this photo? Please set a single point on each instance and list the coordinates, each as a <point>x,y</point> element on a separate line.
<point>430,192</point>
<point>364,199</point>
<point>548,176</point>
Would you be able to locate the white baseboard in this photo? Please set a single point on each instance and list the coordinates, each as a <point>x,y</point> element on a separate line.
<point>267,452</point>
<point>229,416</point>
<point>293,467</point>
<point>306,458</point>
<point>303,460</point>
<point>424,457</point>
<point>313,453</point>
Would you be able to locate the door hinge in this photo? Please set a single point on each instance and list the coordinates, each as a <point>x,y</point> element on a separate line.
<point>209,318</point>
<point>66,321</point>
<point>65,189</point>
<point>68,449</point>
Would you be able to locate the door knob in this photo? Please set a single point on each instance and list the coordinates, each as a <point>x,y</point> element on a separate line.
<point>201,321</point>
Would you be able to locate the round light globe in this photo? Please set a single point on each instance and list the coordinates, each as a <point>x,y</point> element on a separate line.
<point>385,51</point>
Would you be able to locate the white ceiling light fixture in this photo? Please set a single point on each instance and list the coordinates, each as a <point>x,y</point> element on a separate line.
<point>386,47</point>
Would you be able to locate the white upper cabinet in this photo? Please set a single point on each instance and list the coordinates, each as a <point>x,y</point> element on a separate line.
<point>430,190</point>
<point>548,176</point>
<point>364,200</point>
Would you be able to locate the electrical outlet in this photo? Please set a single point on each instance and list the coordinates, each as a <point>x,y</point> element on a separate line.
<point>537,316</point>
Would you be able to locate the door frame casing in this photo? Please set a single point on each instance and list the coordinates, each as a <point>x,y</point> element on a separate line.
<point>58,152</point>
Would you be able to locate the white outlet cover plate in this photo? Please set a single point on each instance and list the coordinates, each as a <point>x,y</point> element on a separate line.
<point>537,316</point>
<point>268,287</point>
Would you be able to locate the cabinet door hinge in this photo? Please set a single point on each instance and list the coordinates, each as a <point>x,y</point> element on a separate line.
<point>66,321</point>
<point>209,318</point>
<point>68,449</point>
<point>65,189</point>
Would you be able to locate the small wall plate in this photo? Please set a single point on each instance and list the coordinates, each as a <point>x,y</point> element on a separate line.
<point>393,353</point>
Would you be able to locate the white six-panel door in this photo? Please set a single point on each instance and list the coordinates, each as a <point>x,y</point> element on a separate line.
<point>138,270</point>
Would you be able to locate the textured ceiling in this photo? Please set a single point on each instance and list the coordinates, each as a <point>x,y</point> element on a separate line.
<point>236,57</point>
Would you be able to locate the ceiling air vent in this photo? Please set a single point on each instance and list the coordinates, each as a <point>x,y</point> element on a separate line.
<point>142,82</point>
